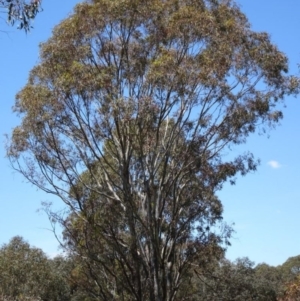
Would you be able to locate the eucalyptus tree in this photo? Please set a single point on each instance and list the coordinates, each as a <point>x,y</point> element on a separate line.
<point>128,118</point>
<point>26,273</point>
<point>236,280</point>
<point>20,268</point>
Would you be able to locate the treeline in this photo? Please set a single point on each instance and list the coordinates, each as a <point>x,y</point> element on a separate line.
<point>26,273</point>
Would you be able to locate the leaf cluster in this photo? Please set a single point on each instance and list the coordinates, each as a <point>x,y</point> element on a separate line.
<point>21,12</point>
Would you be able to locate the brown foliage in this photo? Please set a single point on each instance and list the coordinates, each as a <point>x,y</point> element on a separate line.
<point>127,119</point>
<point>291,291</point>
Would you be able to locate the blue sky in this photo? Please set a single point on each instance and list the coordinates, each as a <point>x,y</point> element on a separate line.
<point>264,206</point>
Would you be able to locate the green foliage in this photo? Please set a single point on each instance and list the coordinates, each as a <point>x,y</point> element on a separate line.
<point>290,269</point>
<point>225,280</point>
<point>27,273</point>
<point>22,267</point>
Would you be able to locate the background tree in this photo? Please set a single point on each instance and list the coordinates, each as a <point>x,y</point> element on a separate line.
<point>21,267</point>
<point>128,119</point>
<point>27,274</point>
<point>21,11</point>
<point>269,276</point>
<point>238,280</point>
<point>291,290</point>
<point>290,269</point>
<point>287,279</point>
<point>59,285</point>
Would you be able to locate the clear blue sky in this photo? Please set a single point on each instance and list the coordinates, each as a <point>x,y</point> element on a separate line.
<point>265,206</point>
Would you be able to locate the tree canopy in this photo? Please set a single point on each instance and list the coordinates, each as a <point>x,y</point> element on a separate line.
<point>26,273</point>
<point>128,118</point>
